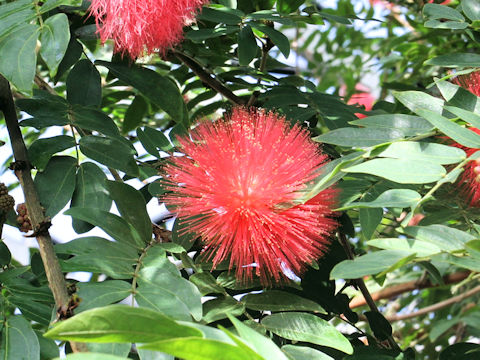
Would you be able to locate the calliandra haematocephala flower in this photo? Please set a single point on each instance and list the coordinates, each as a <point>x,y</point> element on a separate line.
<point>143,27</point>
<point>231,188</point>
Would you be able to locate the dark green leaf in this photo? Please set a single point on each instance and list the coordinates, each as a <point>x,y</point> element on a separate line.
<point>90,191</point>
<point>72,54</point>
<point>280,40</point>
<point>159,89</point>
<point>41,150</point>
<point>206,283</point>
<point>31,309</point>
<point>110,151</point>
<point>307,327</point>
<point>94,120</point>
<point>55,35</point>
<point>247,46</point>
<point>120,323</point>
<point>275,300</point>
<point>380,326</point>
<point>131,205</point>
<point>220,15</point>
<point>219,308</point>
<point>136,111</point>
<point>461,351</point>
<point>93,295</point>
<point>5,255</point>
<point>288,6</point>
<point>18,60</point>
<point>84,84</point>
<point>19,342</point>
<point>112,224</point>
<point>55,185</point>
<point>152,140</point>
<point>181,236</point>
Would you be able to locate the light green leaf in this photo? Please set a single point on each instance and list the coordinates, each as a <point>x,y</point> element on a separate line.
<point>120,323</point>
<point>19,340</point>
<point>91,356</point>
<point>455,60</point>
<point>400,198</point>
<point>415,100</point>
<point>55,35</point>
<point>471,8</point>
<point>307,327</point>
<point>296,352</point>
<point>435,11</point>
<point>465,115</point>
<point>421,248</point>
<point>97,294</point>
<point>444,237</point>
<point>369,264</point>
<point>401,170</point>
<point>359,137</point>
<point>409,125</point>
<point>431,152</point>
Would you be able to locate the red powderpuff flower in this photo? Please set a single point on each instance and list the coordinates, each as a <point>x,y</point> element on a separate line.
<point>233,187</point>
<point>470,81</point>
<point>469,181</point>
<point>143,26</point>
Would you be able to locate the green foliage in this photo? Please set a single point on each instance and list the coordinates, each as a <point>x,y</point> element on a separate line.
<point>88,117</point>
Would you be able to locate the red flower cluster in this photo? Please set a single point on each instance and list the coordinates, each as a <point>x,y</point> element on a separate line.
<point>232,187</point>
<point>470,81</point>
<point>146,26</point>
<point>362,97</point>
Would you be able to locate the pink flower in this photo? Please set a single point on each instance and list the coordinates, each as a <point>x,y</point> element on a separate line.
<point>363,98</point>
<point>470,81</point>
<point>143,26</point>
<point>236,189</point>
<point>469,181</point>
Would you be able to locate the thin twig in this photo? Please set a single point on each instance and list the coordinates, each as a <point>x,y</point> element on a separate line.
<point>266,47</point>
<point>363,288</point>
<point>208,79</point>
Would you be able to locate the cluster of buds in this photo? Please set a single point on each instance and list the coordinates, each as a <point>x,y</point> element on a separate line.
<point>6,201</point>
<point>22,219</point>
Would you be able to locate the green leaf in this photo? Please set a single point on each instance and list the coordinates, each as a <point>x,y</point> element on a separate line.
<point>118,324</point>
<point>19,60</point>
<point>409,125</point>
<point>55,35</point>
<point>15,14</point>
<point>100,294</point>
<point>131,205</point>
<point>111,152</point>
<point>307,327</point>
<point>161,287</point>
<point>219,308</point>
<point>31,309</point>
<point>134,115</point>
<point>19,340</point>
<point>84,84</point>
<point>220,15</point>
<point>276,300</point>
<point>359,137</point>
<point>182,236</point>
<point>206,283</point>
<point>454,131</point>
<point>437,12</point>
<point>400,198</point>
<point>455,60</point>
<point>91,356</point>
<point>369,264</point>
<point>55,185</point>
<point>159,89</point>
<point>41,150</point>
<point>247,46</point>
<point>401,170</point>
<point>460,351</point>
<point>112,224</point>
<point>72,54</point>
<point>380,326</point>
<point>415,100</point>
<point>116,349</point>
<point>458,96</point>
<point>296,352</point>
<point>264,346</point>
<point>93,119</point>
<point>288,6</point>
<point>471,8</point>
<point>199,349</point>
<point>90,191</point>
<point>204,34</point>
<point>48,348</point>
<point>421,248</point>
<point>280,40</point>
<point>465,115</point>
<point>152,140</point>
<point>431,152</point>
<point>444,237</point>
<point>5,255</point>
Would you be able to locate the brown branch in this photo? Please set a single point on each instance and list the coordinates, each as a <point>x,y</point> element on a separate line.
<point>208,79</point>
<point>435,307</point>
<point>399,289</point>
<point>40,223</point>
<point>363,288</point>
